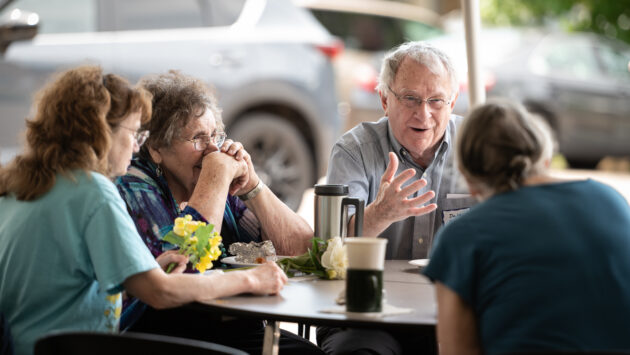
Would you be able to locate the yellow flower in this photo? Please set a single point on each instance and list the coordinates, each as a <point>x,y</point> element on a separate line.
<point>117,311</point>
<point>179,227</point>
<point>201,244</point>
<point>331,274</point>
<point>214,253</point>
<point>215,241</point>
<point>204,263</point>
<point>192,226</point>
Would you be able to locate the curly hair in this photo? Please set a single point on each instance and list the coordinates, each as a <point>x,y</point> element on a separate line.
<point>71,129</point>
<point>500,144</point>
<point>177,99</point>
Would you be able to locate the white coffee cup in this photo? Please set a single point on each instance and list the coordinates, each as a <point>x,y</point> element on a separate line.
<point>366,253</point>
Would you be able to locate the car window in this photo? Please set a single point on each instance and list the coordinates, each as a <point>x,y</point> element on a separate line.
<point>156,14</point>
<point>165,14</point>
<point>570,58</point>
<point>615,60</point>
<point>372,33</point>
<point>60,16</point>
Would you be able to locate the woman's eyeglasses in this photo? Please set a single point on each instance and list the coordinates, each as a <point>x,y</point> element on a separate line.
<point>201,143</point>
<point>139,136</point>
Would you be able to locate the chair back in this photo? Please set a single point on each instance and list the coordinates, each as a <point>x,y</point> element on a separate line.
<point>6,340</point>
<point>576,352</point>
<point>75,343</point>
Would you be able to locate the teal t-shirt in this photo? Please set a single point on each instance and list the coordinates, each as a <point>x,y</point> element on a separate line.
<point>544,267</point>
<point>63,258</point>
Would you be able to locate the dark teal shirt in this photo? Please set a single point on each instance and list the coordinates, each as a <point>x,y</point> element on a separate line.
<point>544,268</point>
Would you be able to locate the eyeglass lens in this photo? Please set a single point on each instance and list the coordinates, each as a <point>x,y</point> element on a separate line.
<point>217,138</point>
<point>141,137</point>
<point>412,101</point>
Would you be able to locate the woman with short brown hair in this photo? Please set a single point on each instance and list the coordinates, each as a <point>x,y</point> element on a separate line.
<point>540,264</point>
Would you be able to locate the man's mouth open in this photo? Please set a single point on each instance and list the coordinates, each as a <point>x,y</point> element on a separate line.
<point>420,130</point>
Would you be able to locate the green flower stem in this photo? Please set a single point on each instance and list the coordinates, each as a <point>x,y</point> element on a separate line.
<point>170,267</point>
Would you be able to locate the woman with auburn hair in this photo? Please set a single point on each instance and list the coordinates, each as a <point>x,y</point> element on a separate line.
<point>68,247</point>
<point>541,264</point>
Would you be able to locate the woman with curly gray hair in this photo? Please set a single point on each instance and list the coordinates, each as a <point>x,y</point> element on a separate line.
<point>541,263</point>
<point>188,167</point>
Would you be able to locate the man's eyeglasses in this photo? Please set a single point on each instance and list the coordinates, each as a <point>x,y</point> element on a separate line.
<point>139,136</point>
<point>201,143</point>
<point>411,101</point>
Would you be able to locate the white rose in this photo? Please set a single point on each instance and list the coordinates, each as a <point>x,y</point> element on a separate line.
<point>335,259</point>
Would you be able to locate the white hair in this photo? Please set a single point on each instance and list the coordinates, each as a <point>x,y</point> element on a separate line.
<point>422,53</point>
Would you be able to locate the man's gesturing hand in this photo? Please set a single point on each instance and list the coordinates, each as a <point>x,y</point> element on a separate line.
<point>392,202</point>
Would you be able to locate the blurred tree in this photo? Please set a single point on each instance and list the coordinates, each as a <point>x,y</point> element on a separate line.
<point>611,18</point>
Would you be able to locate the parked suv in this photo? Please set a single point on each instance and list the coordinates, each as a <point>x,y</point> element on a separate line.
<point>269,61</point>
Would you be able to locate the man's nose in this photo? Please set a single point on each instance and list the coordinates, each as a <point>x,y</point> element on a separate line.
<point>423,108</point>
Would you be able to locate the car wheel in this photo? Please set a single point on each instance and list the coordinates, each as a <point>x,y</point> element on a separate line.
<point>281,157</point>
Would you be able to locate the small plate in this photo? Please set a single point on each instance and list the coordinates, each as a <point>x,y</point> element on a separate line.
<point>231,260</point>
<point>419,262</point>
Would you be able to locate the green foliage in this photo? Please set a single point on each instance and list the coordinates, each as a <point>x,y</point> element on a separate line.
<point>309,262</point>
<point>608,17</point>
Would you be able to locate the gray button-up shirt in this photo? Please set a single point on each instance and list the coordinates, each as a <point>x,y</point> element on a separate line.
<point>359,160</point>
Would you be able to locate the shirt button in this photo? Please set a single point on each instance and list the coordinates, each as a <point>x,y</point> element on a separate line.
<point>420,240</point>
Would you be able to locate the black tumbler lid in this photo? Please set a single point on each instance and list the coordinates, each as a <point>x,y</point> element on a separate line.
<point>331,190</point>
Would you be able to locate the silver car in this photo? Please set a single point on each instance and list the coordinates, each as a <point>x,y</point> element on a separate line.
<point>269,61</point>
<point>579,82</point>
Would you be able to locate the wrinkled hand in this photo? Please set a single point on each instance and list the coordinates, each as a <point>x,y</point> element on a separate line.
<point>392,202</point>
<point>253,177</point>
<point>172,256</point>
<point>268,279</point>
<point>234,149</point>
<point>223,163</point>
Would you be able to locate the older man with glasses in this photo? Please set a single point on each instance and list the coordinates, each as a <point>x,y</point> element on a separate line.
<point>403,167</point>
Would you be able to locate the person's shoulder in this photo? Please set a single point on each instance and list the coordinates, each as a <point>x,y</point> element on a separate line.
<point>99,184</point>
<point>83,188</point>
<point>374,131</point>
<point>455,121</point>
<point>599,188</point>
<point>139,175</point>
<point>466,223</point>
<point>364,135</point>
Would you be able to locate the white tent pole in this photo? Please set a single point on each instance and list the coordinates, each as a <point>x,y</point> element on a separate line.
<point>472,26</point>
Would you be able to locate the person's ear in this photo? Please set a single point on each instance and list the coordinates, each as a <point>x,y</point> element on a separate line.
<point>383,101</point>
<point>155,155</point>
<point>454,100</point>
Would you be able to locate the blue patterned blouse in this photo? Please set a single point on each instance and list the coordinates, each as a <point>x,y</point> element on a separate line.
<point>153,210</point>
